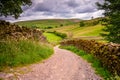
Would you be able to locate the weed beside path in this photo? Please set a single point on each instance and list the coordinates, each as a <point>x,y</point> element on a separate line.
<point>17,53</point>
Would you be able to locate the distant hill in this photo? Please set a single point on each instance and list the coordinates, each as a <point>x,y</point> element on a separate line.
<point>90,30</point>
<point>48,23</point>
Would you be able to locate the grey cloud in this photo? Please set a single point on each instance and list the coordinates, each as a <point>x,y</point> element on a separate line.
<point>53,6</point>
<point>9,18</point>
<point>86,9</point>
<point>24,8</point>
<point>48,13</point>
<point>72,3</point>
<point>86,6</point>
<point>66,6</point>
<point>58,9</point>
<point>42,7</point>
<point>65,15</point>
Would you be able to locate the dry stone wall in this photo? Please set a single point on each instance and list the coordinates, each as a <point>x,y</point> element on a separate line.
<point>107,53</point>
<point>15,32</point>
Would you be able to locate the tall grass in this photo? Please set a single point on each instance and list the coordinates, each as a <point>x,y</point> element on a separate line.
<point>16,53</point>
<point>94,62</point>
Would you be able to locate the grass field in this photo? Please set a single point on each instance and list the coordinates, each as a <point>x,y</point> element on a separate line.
<point>81,31</point>
<point>48,23</point>
<point>52,38</point>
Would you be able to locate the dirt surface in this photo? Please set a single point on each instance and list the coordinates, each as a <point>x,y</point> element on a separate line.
<point>63,65</point>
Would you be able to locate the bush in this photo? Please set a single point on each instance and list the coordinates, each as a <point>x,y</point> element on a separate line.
<point>108,54</point>
<point>61,24</point>
<point>82,24</point>
<point>95,23</point>
<point>49,27</point>
<point>92,22</point>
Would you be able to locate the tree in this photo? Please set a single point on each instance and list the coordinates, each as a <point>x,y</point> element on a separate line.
<point>82,24</point>
<point>112,20</point>
<point>12,7</point>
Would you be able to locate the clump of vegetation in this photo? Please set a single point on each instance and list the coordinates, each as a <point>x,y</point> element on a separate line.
<point>96,64</point>
<point>82,24</point>
<point>62,35</point>
<point>49,27</point>
<point>112,20</point>
<point>92,22</point>
<point>61,25</point>
<point>16,53</point>
<point>95,23</point>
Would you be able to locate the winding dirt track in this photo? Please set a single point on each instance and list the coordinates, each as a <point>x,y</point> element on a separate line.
<point>63,65</point>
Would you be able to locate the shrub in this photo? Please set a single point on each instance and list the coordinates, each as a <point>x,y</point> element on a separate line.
<point>61,24</point>
<point>49,27</point>
<point>82,24</point>
<point>62,35</point>
<point>95,23</point>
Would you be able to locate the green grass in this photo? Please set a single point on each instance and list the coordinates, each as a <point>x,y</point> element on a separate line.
<point>45,24</point>
<point>81,31</point>
<point>22,52</point>
<point>87,32</point>
<point>94,62</point>
<point>70,27</point>
<point>52,38</point>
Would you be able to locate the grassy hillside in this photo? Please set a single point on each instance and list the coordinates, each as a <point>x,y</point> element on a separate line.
<point>90,30</point>
<point>78,31</point>
<point>48,23</point>
<point>71,27</point>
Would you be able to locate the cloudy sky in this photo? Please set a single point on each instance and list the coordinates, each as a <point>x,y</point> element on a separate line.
<point>47,9</point>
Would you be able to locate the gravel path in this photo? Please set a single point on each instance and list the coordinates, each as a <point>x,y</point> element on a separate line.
<point>63,65</point>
